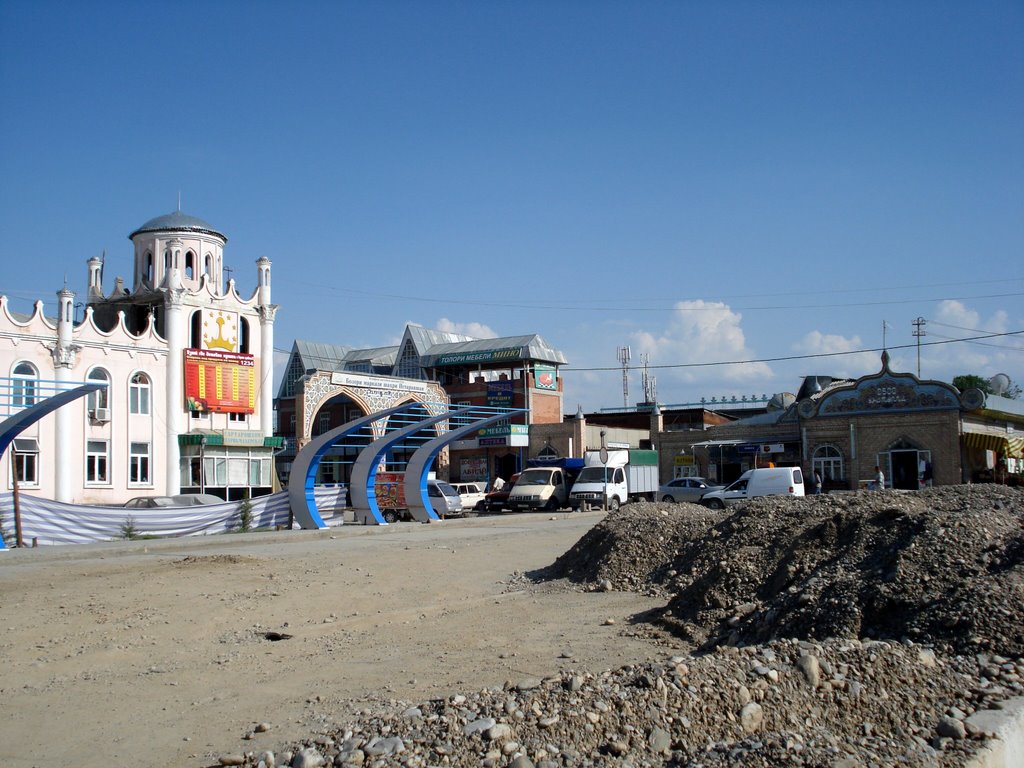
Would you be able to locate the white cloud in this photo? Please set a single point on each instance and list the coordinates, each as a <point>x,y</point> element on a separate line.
<point>698,333</point>
<point>838,365</point>
<point>984,357</point>
<point>477,330</point>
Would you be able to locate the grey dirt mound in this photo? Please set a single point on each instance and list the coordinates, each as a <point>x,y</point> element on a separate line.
<point>942,567</point>
<point>861,629</point>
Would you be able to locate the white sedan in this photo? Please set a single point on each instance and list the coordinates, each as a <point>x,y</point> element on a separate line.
<point>686,489</point>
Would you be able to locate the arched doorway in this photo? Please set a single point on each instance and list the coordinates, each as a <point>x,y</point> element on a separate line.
<point>904,462</point>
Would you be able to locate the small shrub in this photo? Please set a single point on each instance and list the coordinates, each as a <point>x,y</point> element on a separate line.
<point>128,528</point>
<point>245,516</point>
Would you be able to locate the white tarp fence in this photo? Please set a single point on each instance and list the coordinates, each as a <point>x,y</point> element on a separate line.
<point>51,522</point>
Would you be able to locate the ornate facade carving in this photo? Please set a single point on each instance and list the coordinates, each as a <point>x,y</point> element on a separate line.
<point>64,355</point>
<point>318,389</point>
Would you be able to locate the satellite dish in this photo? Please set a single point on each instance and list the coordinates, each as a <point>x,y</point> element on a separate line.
<point>999,383</point>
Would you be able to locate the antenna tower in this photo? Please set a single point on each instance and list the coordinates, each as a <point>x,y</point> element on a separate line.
<point>623,354</point>
<point>650,383</point>
<point>918,332</point>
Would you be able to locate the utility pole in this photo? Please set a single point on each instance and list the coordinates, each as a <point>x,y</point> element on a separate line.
<point>623,354</point>
<point>918,332</point>
<point>885,327</point>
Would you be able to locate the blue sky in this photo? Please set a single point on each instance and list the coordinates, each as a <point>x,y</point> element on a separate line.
<point>706,182</point>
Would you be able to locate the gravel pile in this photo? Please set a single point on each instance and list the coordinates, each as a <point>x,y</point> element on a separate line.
<point>847,630</point>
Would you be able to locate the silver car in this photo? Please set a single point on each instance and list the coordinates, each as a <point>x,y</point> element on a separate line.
<point>686,489</point>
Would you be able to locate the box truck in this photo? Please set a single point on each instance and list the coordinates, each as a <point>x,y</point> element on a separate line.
<point>544,485</point>
<point>612,476</point>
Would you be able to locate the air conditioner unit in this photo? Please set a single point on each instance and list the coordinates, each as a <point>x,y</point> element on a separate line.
<point>101,414</point>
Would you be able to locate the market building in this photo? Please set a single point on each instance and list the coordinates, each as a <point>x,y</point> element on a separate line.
<point>326,385</point>
<point>920,432</point>
<point>188,364</point>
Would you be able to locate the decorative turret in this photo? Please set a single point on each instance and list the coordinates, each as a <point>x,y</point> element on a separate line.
<point>95,279</point>
<point>179,242</point>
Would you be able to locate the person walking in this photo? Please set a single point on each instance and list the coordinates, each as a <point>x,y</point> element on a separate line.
<point>879,479</point>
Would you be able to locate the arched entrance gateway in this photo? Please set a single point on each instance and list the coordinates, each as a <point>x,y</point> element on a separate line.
<point>365,431</point>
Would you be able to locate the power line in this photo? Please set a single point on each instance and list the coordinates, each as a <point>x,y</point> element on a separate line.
<point>803,357</point>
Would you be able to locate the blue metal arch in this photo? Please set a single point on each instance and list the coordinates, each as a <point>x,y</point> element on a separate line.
<point>419,465</point>
<point>300,486</point>
<point>365,467</point>
<point>13,426</point>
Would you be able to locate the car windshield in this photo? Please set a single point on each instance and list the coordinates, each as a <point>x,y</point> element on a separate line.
<point>446,490</point>
<point>534,478</point>
<point>593,475</point>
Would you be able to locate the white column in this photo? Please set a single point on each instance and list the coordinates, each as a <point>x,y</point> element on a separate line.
<point>175,326</point>
<point>267,312</point>
<point>267,369</point>
<point>64,355</point>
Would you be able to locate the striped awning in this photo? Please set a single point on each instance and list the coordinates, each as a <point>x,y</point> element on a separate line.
<point>985,442</point>
<point>1015,447</point>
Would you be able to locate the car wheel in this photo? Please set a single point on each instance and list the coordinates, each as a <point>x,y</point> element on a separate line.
<point>668,498</point>
<point>390,516</point>
<point>715,503</point>
<point>480,506</point>
<point>551,506</point>
<point>613,504</point>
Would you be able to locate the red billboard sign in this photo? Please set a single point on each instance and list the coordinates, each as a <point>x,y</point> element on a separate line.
<point>220,382</point>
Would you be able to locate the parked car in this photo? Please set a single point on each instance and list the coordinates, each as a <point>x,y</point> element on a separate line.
<point>179,500</point>
<point>496,501</point>
<point>472,495</point>
<point>686,489</point>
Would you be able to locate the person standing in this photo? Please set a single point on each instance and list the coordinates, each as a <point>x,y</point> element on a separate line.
<point>817,482</point>
<point>879,479</point>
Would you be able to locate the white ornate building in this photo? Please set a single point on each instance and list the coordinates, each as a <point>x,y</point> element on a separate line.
<point>189,367</point>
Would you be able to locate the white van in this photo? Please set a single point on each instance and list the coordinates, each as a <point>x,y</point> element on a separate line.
<point>443,498</point>
<point>770,481</point>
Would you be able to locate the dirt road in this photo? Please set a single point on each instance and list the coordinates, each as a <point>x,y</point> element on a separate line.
<point>154,653</point>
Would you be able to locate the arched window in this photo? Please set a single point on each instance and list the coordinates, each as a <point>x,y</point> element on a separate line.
<point>828,462</point>
<point>243,335</point>
<point>25,386</point>
<point>190,265</point>
<point>196,336</point>
<point>208,267</point>
<point>138,394</point>
<point>167,261</point>
<point>98,402</point>
<point>148,267</point>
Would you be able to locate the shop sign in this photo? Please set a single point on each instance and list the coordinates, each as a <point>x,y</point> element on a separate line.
<point>505,430</point>
<point>486,441</point>
<point>545,377</point>
<point>341,379</point>
<point>474,468</point>
<point>243,437</point>
<point>483,356</point>
<point>683,461</point>
<point>499,394</point>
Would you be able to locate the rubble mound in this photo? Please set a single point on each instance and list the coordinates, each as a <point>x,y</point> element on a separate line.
<point>942,567</point>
